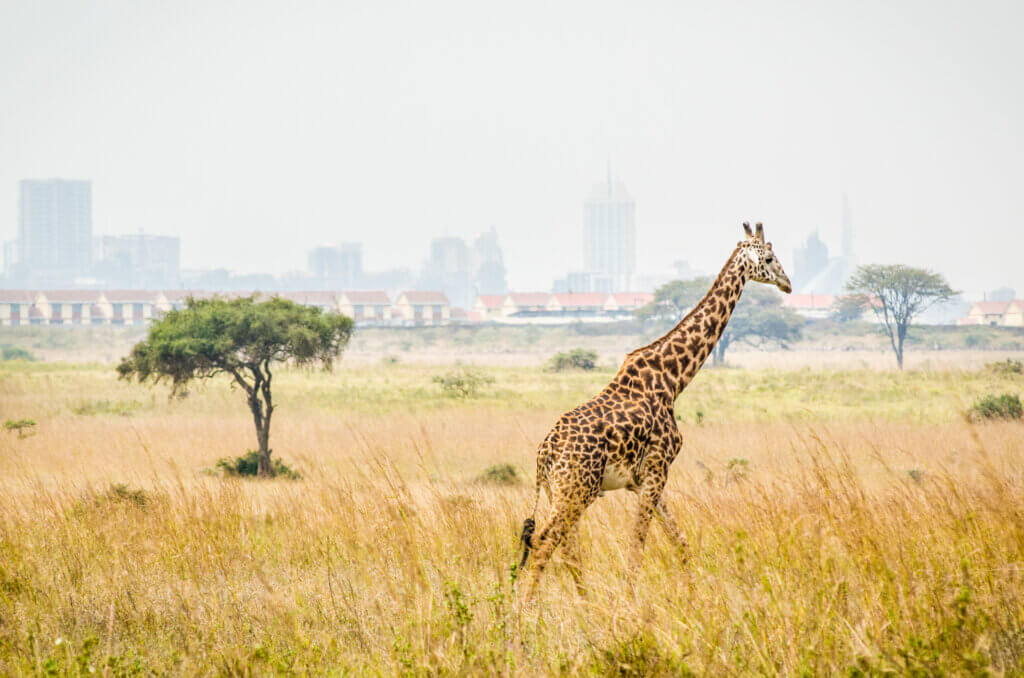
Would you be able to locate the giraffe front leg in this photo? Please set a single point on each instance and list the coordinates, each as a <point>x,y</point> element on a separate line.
<point>649,497</point>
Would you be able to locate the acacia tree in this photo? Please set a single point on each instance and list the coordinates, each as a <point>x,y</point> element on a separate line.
<point>675,298</point>
<point>241,338</point>
<point>759,316</point>
<point>897,294</point>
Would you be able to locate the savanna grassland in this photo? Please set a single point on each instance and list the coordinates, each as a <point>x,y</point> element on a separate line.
<point>849,522</point>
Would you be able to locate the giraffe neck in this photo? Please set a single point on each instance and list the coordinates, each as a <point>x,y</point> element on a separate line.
<point>681,352</point>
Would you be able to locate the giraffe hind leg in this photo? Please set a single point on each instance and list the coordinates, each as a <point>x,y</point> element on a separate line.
<point>561,519</point>
<point>574,558</point>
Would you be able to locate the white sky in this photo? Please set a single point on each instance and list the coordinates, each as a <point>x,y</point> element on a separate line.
<point>256,130</point>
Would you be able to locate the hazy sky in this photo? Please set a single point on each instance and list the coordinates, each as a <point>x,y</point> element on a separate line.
<point>257,130</point>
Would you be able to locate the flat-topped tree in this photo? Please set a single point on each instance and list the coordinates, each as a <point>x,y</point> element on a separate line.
<point>896,294</point>
<point>759,316</point>
<point>240,338</point>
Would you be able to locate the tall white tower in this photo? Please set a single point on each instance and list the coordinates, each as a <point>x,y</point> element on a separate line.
<point>609,234</point>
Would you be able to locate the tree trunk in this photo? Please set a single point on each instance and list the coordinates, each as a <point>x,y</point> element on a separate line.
<point>264,469</point>
<point>718,352</point>
<point>261,417</point>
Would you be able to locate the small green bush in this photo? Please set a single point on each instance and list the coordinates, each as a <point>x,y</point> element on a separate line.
<point>463,383</point>
<point>1006,367</point>
<point>123,408</point>
<point>737,468</point>
<point>1005,406</point>
<point>119,493</point>
<point>576,359</point>
<point>15,353</point>
<point>249,463</point>
<point>501,474</point>
<point>23,427</point>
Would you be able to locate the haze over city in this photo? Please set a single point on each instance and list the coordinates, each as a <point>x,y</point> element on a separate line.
<point>257,135</point>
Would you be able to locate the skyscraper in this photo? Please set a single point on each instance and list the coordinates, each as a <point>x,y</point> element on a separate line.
<point>449,269</point>
<point>609,234</point>
<point>489,264</point>
<point>54,231</point>
<point>337,267</point>
<point>814,272</point>
<point>140,261</point>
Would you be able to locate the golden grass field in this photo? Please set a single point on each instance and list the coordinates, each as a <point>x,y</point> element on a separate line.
<point>840,522</point>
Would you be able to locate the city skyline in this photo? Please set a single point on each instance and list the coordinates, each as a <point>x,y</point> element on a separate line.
<point>714,115</point>
<point>453,266</point>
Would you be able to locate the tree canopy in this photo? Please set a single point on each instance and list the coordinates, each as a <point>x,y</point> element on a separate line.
<point>897,294</point>
<point>759,316</point>
<point>673,299</point>
<point>241,338</point>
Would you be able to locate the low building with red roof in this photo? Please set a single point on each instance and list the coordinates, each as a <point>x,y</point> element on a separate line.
<point>520,303</point>
<point>71,307</point>
<point>127,307</point>
<point>1013,316</point>
<point>417,307</point>
<point>566,302</point>
<point>627,301</point>
<point>489,306</point>
<point>810,305</point>
<point>366,307</point>
<point>15,306</point>
<point>995,313</point>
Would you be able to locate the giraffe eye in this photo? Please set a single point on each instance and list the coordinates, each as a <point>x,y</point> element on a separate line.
<point>769,260</point>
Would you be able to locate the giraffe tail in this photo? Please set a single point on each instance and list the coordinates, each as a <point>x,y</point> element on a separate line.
<point>526,538</point>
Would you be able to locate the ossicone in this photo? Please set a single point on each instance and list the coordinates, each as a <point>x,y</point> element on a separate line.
<point>746,227</point>
<point>760,232</point>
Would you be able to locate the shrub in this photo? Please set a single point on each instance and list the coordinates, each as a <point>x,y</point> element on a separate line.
<point>23,427</point>
<point>1005,406</point>
<point>501,474</point>
<point>576,359</point>
<point>15,353</point>
<point>977,341</point>
<point>248,465</point>
<point>737,468</point>
<point>122,494</point>
<point>1006,367</point>
<point>463,383</point>
<point>123,408</point>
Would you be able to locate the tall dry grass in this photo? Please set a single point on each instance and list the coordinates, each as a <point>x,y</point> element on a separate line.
<point>829,542</point>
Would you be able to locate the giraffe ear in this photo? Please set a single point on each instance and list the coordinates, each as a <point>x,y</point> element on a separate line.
<point>760,231</point>
<point>769,245</point>
<point>746,227</point>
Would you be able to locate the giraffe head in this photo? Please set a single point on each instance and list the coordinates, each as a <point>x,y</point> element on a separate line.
<point>760,261</point>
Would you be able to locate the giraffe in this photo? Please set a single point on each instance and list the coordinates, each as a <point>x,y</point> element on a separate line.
<point>626,436</point>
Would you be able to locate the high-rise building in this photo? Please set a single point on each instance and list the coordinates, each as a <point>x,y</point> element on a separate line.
<point>609,234</point>
<point>814,272</point>
<point>54,231</point>
<point>139,261</point>
<point>811,259</point>
<point>449,269</point>
<point>489,275</point>
<point>337,267</point>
